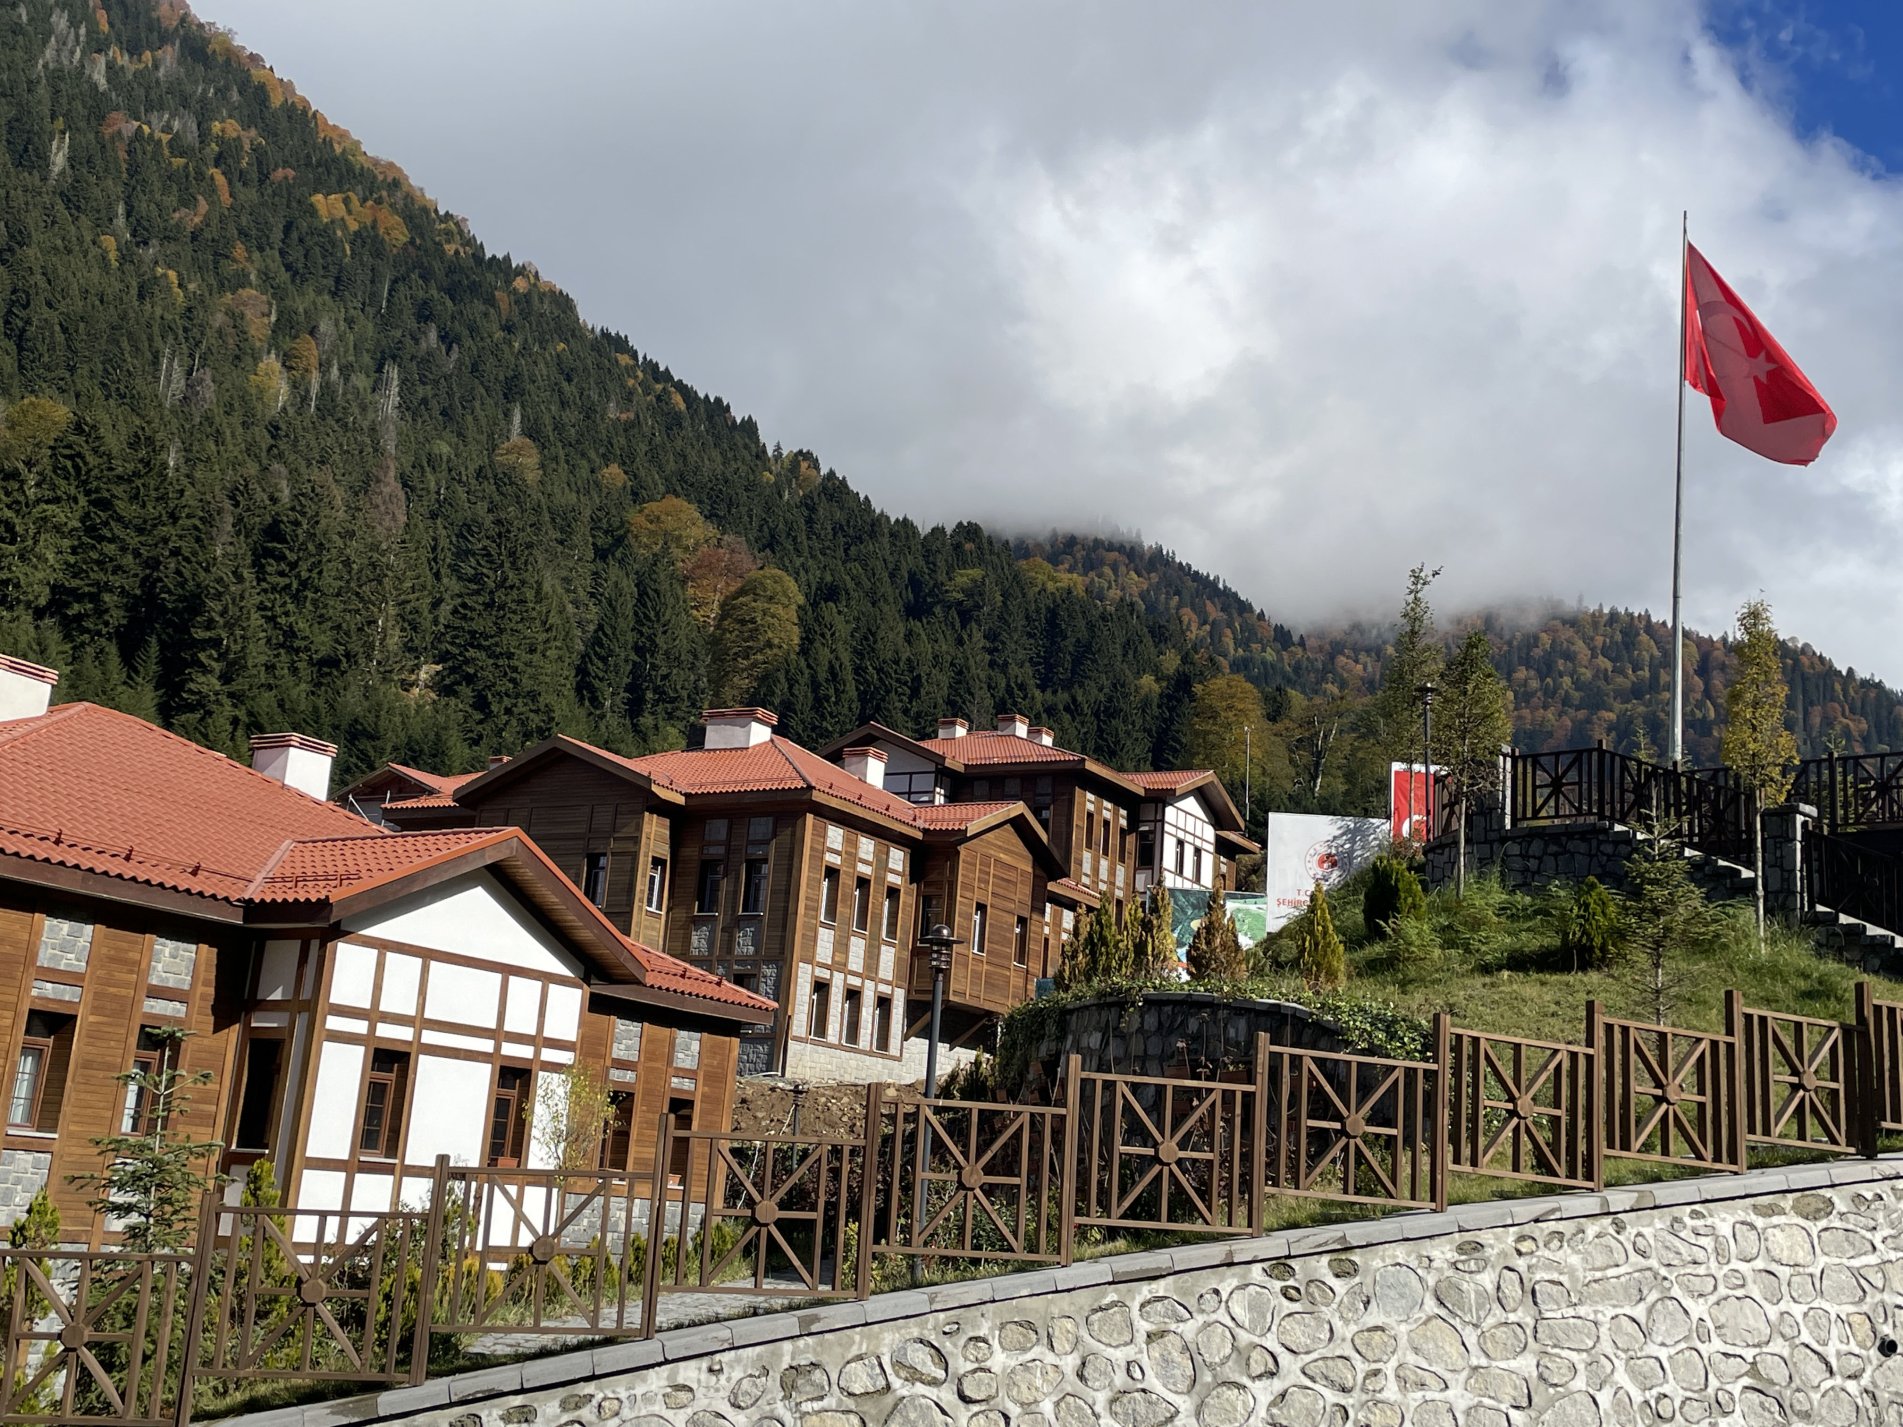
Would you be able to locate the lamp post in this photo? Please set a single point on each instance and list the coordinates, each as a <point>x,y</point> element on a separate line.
<point>938,942</point>
<point>1426,692</point>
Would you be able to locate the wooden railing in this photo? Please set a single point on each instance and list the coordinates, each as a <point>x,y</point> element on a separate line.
<point>1852,790</point>
<point>1708,809</point>
<point>354,1296</point>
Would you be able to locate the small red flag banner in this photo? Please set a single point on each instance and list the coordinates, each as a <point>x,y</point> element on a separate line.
<point>1759,397</point>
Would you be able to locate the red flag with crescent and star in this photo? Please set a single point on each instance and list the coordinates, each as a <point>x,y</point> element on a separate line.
<point>1759,398</point>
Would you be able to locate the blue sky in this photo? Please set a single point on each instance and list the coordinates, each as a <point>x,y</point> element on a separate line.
<point>1836,67</point>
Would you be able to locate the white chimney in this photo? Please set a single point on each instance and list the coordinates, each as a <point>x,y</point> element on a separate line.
<point>1043,735</point>
<point>867,765</point>
<point>952,728</point>
<point>295,761</point>
<point>1017,725</point>
<point>496,760</point>
<point>25,689</point>
<point>738,728</point>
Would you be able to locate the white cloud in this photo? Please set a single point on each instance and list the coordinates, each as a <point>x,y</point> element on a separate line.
<point>1308,295</point>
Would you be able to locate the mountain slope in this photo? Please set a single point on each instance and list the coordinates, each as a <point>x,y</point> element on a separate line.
<point>282,445</point>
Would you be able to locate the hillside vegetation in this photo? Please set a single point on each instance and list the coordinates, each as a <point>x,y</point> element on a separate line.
<point>283,445</point>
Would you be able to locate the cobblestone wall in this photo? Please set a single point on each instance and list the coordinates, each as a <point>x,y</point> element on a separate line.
<point>22,1172</point>
<point>1758,1299</point>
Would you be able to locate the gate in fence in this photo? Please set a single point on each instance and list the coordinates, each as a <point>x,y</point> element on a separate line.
<point>298,1294</point>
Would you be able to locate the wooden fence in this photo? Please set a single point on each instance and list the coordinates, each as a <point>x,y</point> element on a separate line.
<point>306,1295</point>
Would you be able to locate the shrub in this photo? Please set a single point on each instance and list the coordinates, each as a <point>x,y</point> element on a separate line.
<point>1591,933</point>
<point>1412,946</point>
<point>1393,891</point>
<point>1215,951</point>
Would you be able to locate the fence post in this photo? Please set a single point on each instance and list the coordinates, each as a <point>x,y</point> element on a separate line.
<point>657,1225</point>
<point>426,1283</point>
<point>1738,1124</point>
<point>868,1175</point>
<point>1067,1171</point>
<point>1259,1139</point>
<point>1596,1107</point>
<point>202,1255</point>
<point>1866,1076</point>
<point>1443,1086</point>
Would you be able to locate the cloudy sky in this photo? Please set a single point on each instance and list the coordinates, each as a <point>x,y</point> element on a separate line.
<point>1307,293</point>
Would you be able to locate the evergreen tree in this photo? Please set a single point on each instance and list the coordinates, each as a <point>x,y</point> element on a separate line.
<point>1153,951</point>
<point>1758,747</point>
<point>613,647</point>
<point>1413,659</point>
<point>1215,951</point>
<point>1667,918</point>
<point>1472,728</point>
<point>1323,960</point>
<point>1591,931</point>
<point>1393,892</point>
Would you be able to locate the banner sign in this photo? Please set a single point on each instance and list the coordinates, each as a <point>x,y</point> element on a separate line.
<point>1301,849</point>
<point>1410,798</point>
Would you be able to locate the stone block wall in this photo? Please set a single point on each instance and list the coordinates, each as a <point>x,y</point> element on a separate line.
<point>1154,1033</point>
<point>1768,1298</point>
<point>1524,858</point>
<point>65,945</point>
<point>22,1172</point>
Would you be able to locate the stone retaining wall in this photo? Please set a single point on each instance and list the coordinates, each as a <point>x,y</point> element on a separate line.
<point>1157,1032</point>
<point>1765,1298</point>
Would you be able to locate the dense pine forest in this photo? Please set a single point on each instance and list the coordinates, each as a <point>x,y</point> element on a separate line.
<point>282,445</point>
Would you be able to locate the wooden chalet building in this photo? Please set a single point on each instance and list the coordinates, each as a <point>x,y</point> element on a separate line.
<point>1118,833</point>
<point>363,1000</point>
<point>754,859</point>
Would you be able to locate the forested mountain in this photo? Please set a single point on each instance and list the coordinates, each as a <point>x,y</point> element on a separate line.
<point>283,446</point>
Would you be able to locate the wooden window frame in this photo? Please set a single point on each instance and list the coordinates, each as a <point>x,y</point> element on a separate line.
<point>717,866</point>
<point>822,1002</point>
<point>753,888</point>
<point>980,927</point>
<point>829,897</point>
<point>283,1044</point>
<point>861,904</point>
<point>1021,942</point>
<point>618,1127</point>
<point>882,1022</point>
<point>893,901</point>
<point>851,1013</point>
<point>657,886</point>
<point>594,865</point>
<point>44,1045</point>
<point>396,1101</point>
<point>515,1132</point>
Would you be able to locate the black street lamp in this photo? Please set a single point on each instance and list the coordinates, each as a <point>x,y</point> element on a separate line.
<point>938,942</point>
<point>1426,693</point>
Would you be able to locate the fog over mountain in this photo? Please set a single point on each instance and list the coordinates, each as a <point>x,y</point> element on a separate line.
<point>1308,295</point>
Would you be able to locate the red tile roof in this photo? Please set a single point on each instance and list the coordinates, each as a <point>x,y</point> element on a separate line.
<point>330,867</point>
<point>426,800</point>
<point>666,973</point>
<point>977,748</point>
<point>441,782</point>
<point>1163,780</point>
<point>91,788</point>
<point>773,765</point>
<point>956,815</point>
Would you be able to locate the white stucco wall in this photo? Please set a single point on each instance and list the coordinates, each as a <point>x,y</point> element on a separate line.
<point>471,916</point>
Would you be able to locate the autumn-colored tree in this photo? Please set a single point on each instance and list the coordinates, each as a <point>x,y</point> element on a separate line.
<point>1229,730</point>
<point>758,630</point>
<point>669,528</point>
<point>1215,951</point>
<point>713,573</point>
<point>1758,746</point>
<point>521,458</point>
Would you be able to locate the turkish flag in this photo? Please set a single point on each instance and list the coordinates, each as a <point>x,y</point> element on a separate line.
<point>1759,398</point>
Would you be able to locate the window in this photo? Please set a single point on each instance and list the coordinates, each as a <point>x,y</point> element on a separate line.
<point>1105,847</point>
<point>822,1007</point>
<point>707,900</point>
<point>1180,846</point>
<point>39,1078</point>
<point>594,878</point>
<point>747,980</point>
<point>1090,831</point>
<point>930,913</point>
<point>657,884</point>
<point>882,1023</point>
<point>1198,873</point>
<point>508,1116</point>
<point>891,913</point>
<point>147,1057</point>
<point>617,1131</point>
<point>1146,847</point>
<point>829,896</point>
<point>1021,943</point>
<point>258,1102</point>
<point>682,1109</point>
<point>753,888</point>
<point>861,903</point>
<point>854,999</point>
<point>979,914</point>
<point>380,1124</point>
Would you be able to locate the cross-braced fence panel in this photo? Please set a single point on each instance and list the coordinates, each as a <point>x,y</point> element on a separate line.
<point>1797,1082</point>
<point>1522,1109</point>
<point>1168,1154</point>
<point>1670,1096</point>
<point>1358,1129</point>
<point>963,1179</point>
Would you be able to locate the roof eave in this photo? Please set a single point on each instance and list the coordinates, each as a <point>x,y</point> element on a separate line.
<point>679,1001</point>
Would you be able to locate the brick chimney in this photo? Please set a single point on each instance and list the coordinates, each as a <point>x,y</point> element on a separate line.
<point>952,728</point>
<point>25,689</point>
<point>1017,725</point>
<point>295,761</point>
<point>738,728</point>
<point>867,765</point>
<point>1043,735</point>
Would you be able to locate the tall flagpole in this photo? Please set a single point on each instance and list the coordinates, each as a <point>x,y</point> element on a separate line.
<point>1678,508</point>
